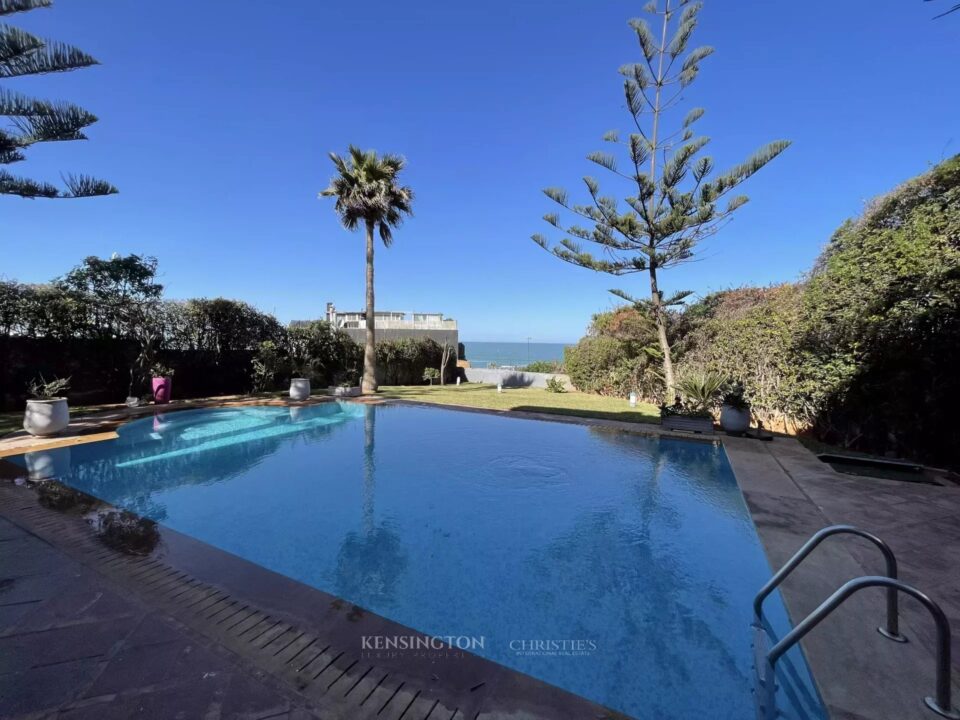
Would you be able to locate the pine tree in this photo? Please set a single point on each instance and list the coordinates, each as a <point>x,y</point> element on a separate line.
<point>33,121</point>
<point>672,204</point>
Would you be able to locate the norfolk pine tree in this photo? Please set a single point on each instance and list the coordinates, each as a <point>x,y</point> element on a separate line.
<point>673,204</point>
<point>33,121</point>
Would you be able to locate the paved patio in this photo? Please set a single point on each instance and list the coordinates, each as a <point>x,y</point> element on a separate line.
<point>791,495</point>
<point>75,645</point>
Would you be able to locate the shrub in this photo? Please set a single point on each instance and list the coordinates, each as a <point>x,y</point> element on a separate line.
<point>544,366</point>
<point>608,366</point>
<point>403,362</point>
<point>555,385</point>
<point>269,364</point>
<point>430,374</point>
<point>700,391</point>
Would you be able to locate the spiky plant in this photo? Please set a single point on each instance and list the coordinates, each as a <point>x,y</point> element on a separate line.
<point>673,204</point>
<point>368,193</point>
<point>31,121</point>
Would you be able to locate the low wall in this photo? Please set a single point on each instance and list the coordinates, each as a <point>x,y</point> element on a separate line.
<point>513,378</point>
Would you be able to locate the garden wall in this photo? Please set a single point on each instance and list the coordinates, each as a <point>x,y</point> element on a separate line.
<point>512,378</point>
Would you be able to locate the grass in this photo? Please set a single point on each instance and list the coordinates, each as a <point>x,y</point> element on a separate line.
<point>526,399</point>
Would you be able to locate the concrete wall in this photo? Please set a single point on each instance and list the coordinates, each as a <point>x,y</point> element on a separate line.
<point>512,378</point>
<point>360,334</point>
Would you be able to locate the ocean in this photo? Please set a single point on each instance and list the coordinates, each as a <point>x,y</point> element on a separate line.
<point>482,354</point>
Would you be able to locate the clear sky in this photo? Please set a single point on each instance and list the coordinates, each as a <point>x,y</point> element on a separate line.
<point>217,117</point>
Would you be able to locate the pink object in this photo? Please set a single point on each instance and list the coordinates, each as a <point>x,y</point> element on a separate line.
<point>162,387</point>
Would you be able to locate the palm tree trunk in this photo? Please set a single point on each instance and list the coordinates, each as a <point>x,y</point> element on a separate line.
<point>369,384</point>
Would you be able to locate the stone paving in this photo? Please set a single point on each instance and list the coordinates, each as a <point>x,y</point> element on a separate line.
<point>75,646</point>
<point>791,495</point>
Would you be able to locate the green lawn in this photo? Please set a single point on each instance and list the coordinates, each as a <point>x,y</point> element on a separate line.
<point>528,399</point>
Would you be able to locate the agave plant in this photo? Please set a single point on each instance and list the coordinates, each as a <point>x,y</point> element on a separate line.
<point>701,390</point>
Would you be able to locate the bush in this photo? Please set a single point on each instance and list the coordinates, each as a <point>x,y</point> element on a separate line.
<point>608,366</point>
<point>544,366</point>
<point>403,362</point>
<point>555,385</point>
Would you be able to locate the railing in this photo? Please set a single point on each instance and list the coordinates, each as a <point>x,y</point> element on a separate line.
<point>940,703</point>
<point>892,630</point>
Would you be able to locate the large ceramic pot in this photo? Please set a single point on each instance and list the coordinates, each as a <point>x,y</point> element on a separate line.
<point>46,417</point>
<point>299,388</point>
<point>345,391</point>
<point>162,389</point>
<point>734,420</point>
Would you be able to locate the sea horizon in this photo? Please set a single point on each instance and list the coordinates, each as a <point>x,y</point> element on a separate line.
<point>483,353</point>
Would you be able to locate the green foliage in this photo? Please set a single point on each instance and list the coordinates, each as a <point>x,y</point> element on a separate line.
<point>700,391</point>
<point>320,352</point>
<point>430,374</point>
<point>735,397</point>
<point>555,385</point>
<point>269,364</point>
<point>404,362</point>
<point>676,201</point>
<point>367,191</point>
<point>608,366</point>
<point>749,335</point>
<point>863,350</point>
<point>35,121</point>
<point>160,370</point>
<point>42,389</point>
<point>544,366</point>
<point>618,356</point>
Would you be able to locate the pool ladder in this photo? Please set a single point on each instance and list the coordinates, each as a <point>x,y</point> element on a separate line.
<point>940,702</point>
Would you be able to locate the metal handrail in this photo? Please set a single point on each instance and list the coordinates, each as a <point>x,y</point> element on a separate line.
<point>892,629</point>
<point>941,703</point>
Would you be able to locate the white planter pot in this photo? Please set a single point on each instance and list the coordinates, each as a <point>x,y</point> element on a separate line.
<point>733,420</point>
<point>46,417</point>
<point>345,391</point>
<point>299,389</point>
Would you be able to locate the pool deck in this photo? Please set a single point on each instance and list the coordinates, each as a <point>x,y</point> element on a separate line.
<point>86,631</point>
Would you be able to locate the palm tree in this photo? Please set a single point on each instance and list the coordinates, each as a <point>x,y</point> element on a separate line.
<point>368,193</point>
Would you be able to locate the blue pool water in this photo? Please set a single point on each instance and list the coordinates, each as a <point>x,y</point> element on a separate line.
<point>638,551</point>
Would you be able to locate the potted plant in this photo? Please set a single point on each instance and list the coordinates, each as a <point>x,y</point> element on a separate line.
<point>734,411</point>
<point>47,412</point>
<point>162,383</point>
<point>692,408</point>
<point>345,384</point>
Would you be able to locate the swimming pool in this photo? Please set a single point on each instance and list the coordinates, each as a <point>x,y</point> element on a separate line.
<point>616,566</point>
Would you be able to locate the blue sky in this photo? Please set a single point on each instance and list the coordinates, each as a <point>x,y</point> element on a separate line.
<point>216,120</point>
